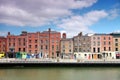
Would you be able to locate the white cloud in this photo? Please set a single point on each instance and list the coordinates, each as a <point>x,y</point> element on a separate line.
<point>76,24</point>
<point>114,13</point>
<point>3,33</point>
<point>116,31</point>
<point>38,12</point>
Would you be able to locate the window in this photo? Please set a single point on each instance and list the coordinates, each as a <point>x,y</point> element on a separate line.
<point>94,38</point>
<point>109,43</point>
<point>23,49</point>
<point>35,51</point>
<point>19,43</point>
<point>46,41</point>
<point>83,39</point>
<point>35,46</point>
<point>35,41</point>
<point>109,48</point>
<point>94,43</point>
<point>75,50</point>
<point>98,43</point>
<point>104,48</point>
<point>63,46</point>
<point>69,46</point>
<point>88,50</point>
<point>57,47</point>
<point>9,39</point>
<point>29,51</point>
<point>70,50</point>
<point>57,41</point>
<point>104,38</point>
<point>94,50</point>
<point>41,41</point>
<point>104,43</point>
<point>9,44</point>
<point>109,38</point>
<point>24,43</point>
<point>116,49</point>
<point>29,46</point>
<point>52,47</point>
<point>88,45</point>
<point>110,54</point>
<point>19,49</point>
<point>98,49</point>
<point>46,47</point>
<point>41,46</point>
<point>52,53</point>
<point>24,39</point>
<point>85,55</point>
<point>63,51</point>
<point>13,39</point>
<point>79,49</point>
<point>29,41</point>
<point>116,40</point>
<point>98,38</point>
<point>13,44</point>
<point>52,41</point>
<point>116,44</point>
<point>19,39</point>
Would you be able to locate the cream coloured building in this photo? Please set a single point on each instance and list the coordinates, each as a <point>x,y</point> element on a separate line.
<point>116,41</point>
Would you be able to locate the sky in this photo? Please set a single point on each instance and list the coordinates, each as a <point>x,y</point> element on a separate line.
<point>69,16</point>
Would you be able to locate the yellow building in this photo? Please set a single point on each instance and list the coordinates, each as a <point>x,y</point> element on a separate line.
<point>2,54</point>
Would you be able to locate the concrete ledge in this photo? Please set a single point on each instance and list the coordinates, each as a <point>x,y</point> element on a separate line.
<point>4,65</point>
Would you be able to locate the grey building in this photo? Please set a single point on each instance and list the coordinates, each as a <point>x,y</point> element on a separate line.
<point>82,43</point>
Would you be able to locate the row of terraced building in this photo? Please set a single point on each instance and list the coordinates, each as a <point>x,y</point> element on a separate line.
<point>51,44</point>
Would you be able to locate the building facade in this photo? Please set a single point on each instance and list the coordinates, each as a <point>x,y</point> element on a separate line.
<point>32,43</point>
<point>50,43</point>
<point>101,42</point>
<point>47,43</point>
<point>82,43</point>
<point>12,43</point>
<point>3,44</point>
<point>116,41</point>
<point>66,46</point>
<point>22,42</point>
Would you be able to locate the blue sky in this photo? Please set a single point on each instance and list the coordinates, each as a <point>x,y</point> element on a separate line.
<point>72,16</point>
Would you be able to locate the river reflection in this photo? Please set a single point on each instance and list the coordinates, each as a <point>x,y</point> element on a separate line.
<point>60,74</point>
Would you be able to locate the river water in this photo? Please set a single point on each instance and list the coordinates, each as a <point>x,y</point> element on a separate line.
<point>60,74</point>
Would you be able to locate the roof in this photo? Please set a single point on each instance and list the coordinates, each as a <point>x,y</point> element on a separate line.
<point>50,32</point>
<point>67,39</point>
<point>115,34</point>
<point>2,37</point>
<point>101,34</point>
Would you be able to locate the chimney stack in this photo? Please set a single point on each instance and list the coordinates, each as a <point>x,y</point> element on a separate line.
<point>64,36</point>
<point>49,30</point>
<point>8,33</point>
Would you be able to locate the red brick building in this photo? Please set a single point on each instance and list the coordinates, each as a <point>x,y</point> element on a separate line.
<point>47,43</point>
<point>12,43</point>
<point>50,43</point>
<point>3,43</point>
<point>22,42</point>
<point>33,42</point>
